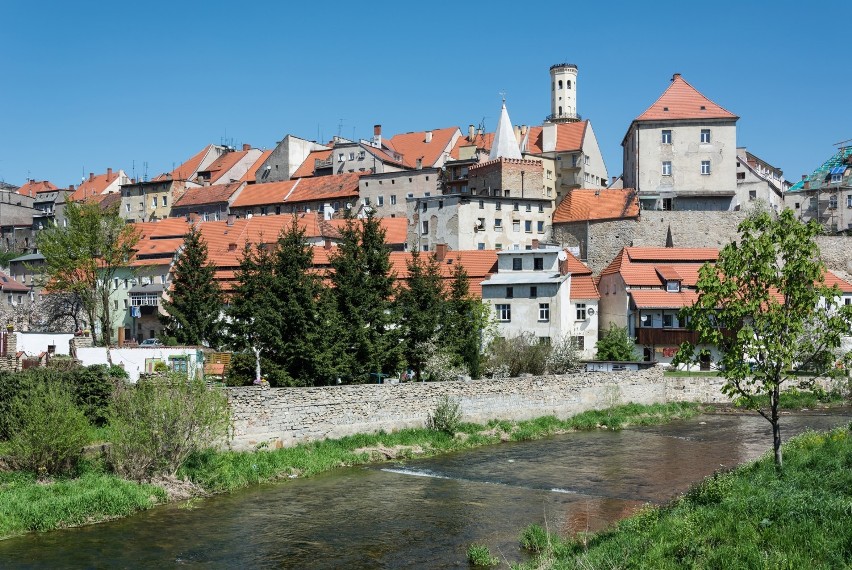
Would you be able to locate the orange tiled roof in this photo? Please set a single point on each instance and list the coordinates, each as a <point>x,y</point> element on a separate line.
<point>7,285</point>
<point>339,186</point>
<point>832,279</point>
<point>584,205</point>
<point>219,167</point>
<point>683,101</point>
<point>668,273</point>
<point>396,229</point>
<point>583,287</point>
<point>575,266</point>
<point>638,266</point>
<point>265,194</point>
<point>479,264</point>
<point>413,145</point>
<point>569,136</point>
<point>93,186</point>
<point>169,227</point>
<point>660,299</point>
<point>188,168</point>
<point>307,167</point>
<point>249,176</point>
<point>33,187</point>
<point>214,194</point>
<point>674,254</point>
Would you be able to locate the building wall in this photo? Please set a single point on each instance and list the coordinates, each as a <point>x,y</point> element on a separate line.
<point>387,193</point>
<point>614,303</point>
<point>509,177</point>
<point>137,200</point>
<point>284,159</point>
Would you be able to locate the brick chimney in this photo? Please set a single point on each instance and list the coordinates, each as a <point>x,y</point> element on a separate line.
<point>327,243</point>
<point>109,173</point>
<point>471,133</point>
<point>231,219</point>
<point>246,147</point>
<point>441,251</point>
<point>675,76</point>
<point>91,176</point>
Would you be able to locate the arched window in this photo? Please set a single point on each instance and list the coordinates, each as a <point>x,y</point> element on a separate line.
<point>560,84</point>
<point>568,84</point>
<point>560,110</point>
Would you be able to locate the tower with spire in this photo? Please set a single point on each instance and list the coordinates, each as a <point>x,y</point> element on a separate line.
<point>505,145</point>
<point>563,94</point>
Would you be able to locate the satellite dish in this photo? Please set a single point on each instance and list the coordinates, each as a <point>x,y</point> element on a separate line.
<point>562,256</point>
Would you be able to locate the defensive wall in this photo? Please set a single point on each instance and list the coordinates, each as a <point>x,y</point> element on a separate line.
<point>286,416</point>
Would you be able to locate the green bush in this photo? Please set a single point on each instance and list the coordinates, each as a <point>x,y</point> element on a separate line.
<point>564,356</point>
<point>522,354</point>
<point>48,430</point>
<point>11,386</point>
<point>93,387</point>
<point>446,417</point>
<point>616,345</point>
<point>156,424</point>
<point>241,371</point>
<point>534,538</point>
<point>479,556</point>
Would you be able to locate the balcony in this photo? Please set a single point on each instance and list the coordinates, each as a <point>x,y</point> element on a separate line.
<point>665,336</point>
<point>564,118</point>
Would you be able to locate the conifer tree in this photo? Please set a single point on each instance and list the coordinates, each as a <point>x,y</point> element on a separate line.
<point>466,323</point>
<point>363,287</point>
<point>422,308</point>
<point>195,300</point>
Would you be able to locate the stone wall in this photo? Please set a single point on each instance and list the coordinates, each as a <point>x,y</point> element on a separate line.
<point>837,253</point>
<point>286,416</point>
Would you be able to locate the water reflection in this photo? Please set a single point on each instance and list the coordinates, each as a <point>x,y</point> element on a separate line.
<point>419,514</point>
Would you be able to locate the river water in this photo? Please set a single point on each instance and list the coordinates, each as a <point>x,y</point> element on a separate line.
<point>421,513</point>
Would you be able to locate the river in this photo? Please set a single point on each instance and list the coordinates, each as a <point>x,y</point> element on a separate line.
<point>421,513</point>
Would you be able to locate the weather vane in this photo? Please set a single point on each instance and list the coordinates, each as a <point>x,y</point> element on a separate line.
<point>503,95</point>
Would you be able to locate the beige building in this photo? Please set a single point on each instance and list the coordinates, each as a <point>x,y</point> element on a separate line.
<point>826,195</point>
<point>387,193</point>
<point>759,182</point>
<point>681,153</point>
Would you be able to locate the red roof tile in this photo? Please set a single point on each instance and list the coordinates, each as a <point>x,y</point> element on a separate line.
<point>832,279</point>
<point>583,287</point>
<point>413,145</point>
<point>660,299</point>
<point>668,273</point>
<point>308,166</point>
<point>250,174</point>
<point>94,185</point>
<point>189,168</point>
<point>8,285</point>
<point>683,101</point>
<point>265,194</point>
<point>214,194</point>
<point>585,205</point>
<point>674,254</point>
<point>318,188</point>
<point>33,187</point>
<point>220,167</point>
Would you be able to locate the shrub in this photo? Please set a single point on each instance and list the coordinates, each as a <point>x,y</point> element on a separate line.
<point>93,387</point>
<point>480,556</point>
<point>564,356</point>
<point>535,539</point>
<point>617,345</point>
<point>446,417</point>
<point>48,431</point>
<point>241,371</point>
<point>522,354</point>
<point>439,367</point>
<point>156,424</point>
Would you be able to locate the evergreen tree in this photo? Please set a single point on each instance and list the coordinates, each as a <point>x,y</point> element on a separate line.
<point>196,300</point>
<point>422,305</point>
<point>466,323</point>
<point>363,287</point>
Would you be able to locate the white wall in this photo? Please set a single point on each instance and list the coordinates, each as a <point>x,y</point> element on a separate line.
<point>36,343</point>
<point>133,359</point>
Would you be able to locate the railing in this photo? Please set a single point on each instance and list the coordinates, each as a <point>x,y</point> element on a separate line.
<point>669,336</point>
<point>564,117</point>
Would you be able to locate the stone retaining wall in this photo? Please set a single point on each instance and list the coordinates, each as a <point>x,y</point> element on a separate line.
<point>286,416</point>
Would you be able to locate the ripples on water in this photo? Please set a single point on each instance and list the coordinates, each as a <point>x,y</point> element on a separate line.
<point>421,513</point>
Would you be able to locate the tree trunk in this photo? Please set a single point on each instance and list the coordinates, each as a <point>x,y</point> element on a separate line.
<point>256,365</point>
<point>774,398</point>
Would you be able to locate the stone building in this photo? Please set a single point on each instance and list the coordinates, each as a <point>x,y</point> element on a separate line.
<point>208,203</point>
<point>826,194</point>
<point>759,182</point>
<point>387,193</point>
<point>287,156</point>
<point>681,152</point>
<point>588,218</point>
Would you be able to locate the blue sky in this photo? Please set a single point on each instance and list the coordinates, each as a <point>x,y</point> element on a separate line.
<point>85,86</point>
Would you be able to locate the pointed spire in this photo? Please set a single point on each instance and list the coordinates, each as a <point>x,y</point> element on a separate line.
<point>669,239</point>
<point>505,144</point>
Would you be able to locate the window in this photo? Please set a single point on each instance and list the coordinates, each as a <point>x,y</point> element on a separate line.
<point>498,246</point>
<point>504,312</point>
<point>482,204</point>
<point>528,226</point>
<point>510,292</point>
<point>705,167</point>
<point>581,311</point>
<point>351,156</point>
<point>362,154</point>
<point>380,200</point>
<point>533,292</point>
<point>832,202</point>
<point>540,227</point>
<point>752,195</point>
<point>425,227</point>
<point>667,136</point>
<point>277,210</point>
<point>440,204</point>
<point>579,342</point>
<point>673,286</point>
<point>114,302</point>
<point>544,312</point>
<point>127,206</point>
<point>340,157</point>
<point>498,206</point>
<point>480,246</point>
<point>125,303</point>
<point>516,206</point>
<point>393,199</point>
<point>517,264</point>
<point>538,263</point>
<point>529,207</point>
<point>667,204</point>
<point>516,226</point>
<point>667,168</point>
<point>163,200</point>
<point>541,207</point>
<point>498,223</point>
<point>848,201</point>
<point>799,205</point>
<point>705,136</point>
<point>425,206</point>
<point>177,363</point>
<point>835,178</point>
<point>668,321</point>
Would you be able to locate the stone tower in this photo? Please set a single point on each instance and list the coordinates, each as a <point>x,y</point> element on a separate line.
<point>563,93</point>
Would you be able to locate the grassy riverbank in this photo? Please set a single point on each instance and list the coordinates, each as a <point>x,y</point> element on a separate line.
<point>27,504</point>
<point>748,518</point>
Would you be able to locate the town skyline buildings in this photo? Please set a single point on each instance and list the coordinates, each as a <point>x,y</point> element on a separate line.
<point>90,88</point>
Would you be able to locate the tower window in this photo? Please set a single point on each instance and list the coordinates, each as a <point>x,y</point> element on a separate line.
<point>560,84</point>
<point>705,167</point>
<point>568,84</point>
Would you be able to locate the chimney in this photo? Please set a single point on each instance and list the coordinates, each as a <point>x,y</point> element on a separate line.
<point>420,163</point>
<point>109,173</point>
<point>327,243</point>
<point>71,187</point>
<point>193,217</point>
<point>471,133</point>
<point>428,136</point>
<point>377,136</point>
<point>524,130</point>
<point>535,244</point>
<point>563,267</point>
<point>91,176</point>
<point>517,131</point>
<point>232,247</point>
<point>548,137</point>
<point>675,76</point>
<point>231,219</point>
<point>440,251</point>
<point>804,177</point>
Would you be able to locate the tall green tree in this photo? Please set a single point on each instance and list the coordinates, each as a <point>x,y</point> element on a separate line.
<point>363,288</point>
<point>466,323</point>
<point>616,344</point>
<point>765,304</point>
<point>83,257</point>
<point>195,304</point>
<point>422,307</point>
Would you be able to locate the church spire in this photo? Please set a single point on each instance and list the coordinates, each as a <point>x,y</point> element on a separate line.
<point>505,144</point>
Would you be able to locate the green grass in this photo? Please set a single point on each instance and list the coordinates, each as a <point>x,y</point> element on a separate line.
<point>30,505</point>
<point>480,556</point>
<point>794,399</point>
<point>748,518</point>
<point>224,471</point>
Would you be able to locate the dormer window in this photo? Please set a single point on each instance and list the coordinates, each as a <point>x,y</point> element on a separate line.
<point>673,286</point>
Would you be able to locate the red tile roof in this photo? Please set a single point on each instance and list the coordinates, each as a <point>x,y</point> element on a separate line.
<point>584,205</point>
<point>222,165</point>
<point>479,265</point>
<point>569,137</point>
<point>683,101</point>
<point>660,299</point>
<point>33,187</point>
<point>583,287</point>
<point>413,145</point>
<point>832,279</point>
<point>188,169</point>
<point>8,285</point>
<point>318,188</point>
<point>249,176</point>
<point>668,273</point>
<point>674,254</point>
<point>396,229</point>
<point>307,167</point>
<point>638,266</point>
<point>94,185</point>
<point>265,194</point>
<point>169,227</point>
<point>214,194</point>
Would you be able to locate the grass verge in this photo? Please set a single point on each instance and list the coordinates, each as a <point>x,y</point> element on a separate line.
<point>748,518</point>
<point>27,504</point>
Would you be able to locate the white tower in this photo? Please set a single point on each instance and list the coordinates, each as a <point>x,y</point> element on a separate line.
<point>563,93</point>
